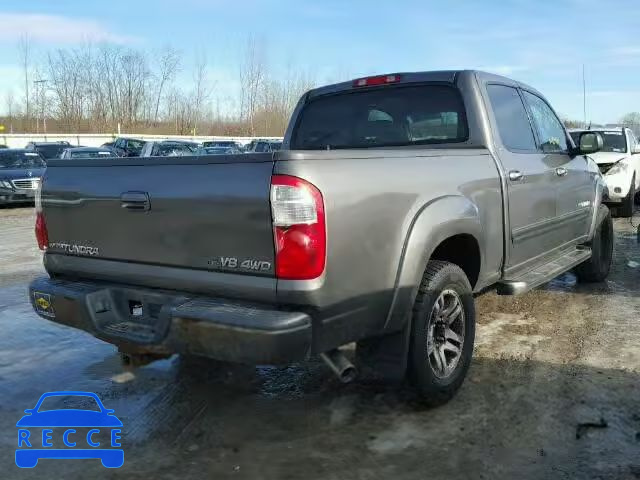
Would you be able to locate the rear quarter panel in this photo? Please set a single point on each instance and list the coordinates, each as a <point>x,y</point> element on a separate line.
<point>386,211</point>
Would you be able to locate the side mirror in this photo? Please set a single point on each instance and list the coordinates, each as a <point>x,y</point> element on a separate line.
<point>590,142</point>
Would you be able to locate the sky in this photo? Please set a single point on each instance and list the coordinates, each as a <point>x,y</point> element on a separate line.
<point>541,42</point>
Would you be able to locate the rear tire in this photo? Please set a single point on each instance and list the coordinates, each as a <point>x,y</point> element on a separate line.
<point>597,267</point>
<point>442,333</point>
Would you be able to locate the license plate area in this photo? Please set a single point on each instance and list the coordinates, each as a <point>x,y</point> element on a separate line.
<point>133,315</point>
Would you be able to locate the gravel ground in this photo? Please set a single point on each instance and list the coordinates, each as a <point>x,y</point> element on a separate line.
<point>545,363</point>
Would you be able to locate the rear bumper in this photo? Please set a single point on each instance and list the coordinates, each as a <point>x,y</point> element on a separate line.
<point>171,322</point>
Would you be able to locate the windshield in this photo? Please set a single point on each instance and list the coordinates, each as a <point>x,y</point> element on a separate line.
<point>50,151</point>
<point>9,159</point>
<point>614,141</point>
<point>401,115</point>
<point>93,154</point>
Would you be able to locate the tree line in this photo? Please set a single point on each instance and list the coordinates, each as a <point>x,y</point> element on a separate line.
<point>631,120</point>
<point>100,88</point>
<point>103,88</point>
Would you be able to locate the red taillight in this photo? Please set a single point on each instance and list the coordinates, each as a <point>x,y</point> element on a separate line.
<point>41,232</point>
<point>378,80</point>
<point>299,228</point>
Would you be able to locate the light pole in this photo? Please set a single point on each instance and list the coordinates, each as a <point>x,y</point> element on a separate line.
<point>40,84</point>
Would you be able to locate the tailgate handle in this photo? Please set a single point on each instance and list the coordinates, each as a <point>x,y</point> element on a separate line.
<point>138,201</point>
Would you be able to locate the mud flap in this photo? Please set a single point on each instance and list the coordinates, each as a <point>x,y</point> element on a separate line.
<point>384,358</point>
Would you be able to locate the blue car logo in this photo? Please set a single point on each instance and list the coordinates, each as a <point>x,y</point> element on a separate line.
<point>62,433</point>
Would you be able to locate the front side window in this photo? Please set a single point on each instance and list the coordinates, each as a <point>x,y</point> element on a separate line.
<point>512,119</point>
<point>551,133</point>
<point>387,116</point>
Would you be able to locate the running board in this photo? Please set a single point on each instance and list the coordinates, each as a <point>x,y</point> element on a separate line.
<point>544,273</point>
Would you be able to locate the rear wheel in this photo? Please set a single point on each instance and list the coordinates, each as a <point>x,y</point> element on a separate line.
<point>597,267</point>
<point>442,333</point>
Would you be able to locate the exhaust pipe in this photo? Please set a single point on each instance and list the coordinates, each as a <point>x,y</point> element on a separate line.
<point>340,365</point>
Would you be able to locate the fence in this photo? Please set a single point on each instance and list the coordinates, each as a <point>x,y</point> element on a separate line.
<point>20,140</point>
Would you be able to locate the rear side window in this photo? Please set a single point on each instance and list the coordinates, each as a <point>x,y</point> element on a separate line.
<point>513,123</point>
<point>388,116</point>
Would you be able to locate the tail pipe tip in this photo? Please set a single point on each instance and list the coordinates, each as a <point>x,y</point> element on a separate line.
<point>340,365</point>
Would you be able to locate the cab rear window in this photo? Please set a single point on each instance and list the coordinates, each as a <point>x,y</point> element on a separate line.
<point>382,117</point>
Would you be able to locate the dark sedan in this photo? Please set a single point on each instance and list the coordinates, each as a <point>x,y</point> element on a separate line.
<point>20,173</point>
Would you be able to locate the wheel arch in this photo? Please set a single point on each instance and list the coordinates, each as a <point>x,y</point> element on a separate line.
<point>447,228</point>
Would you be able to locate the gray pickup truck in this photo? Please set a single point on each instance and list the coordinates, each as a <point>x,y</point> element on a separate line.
<point>395,199</point>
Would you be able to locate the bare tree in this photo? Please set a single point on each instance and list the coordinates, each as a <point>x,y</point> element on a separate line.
<point>201,90</point>
<point>252,76</point>
<point>632,120</point>
<point>9,103</point>
<point>169,65</point>
<point>68,84</point>
<point>24,48</point>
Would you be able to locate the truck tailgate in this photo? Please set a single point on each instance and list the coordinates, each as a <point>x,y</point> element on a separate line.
<point>203,213</point>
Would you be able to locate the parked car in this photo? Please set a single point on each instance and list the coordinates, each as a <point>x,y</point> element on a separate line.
<point>249,147</point>
<point>127,147</point>
<point>619,162</point>
<point>262,146</point>
<point>394,200</point>
<point>2,145</point>
<point>87,152</point>
<point>48,150</point>
<point>223,143</point>
<point>166,148</point>
<point>193,146</point>
<point>218,151</point>
<point>20,173</point>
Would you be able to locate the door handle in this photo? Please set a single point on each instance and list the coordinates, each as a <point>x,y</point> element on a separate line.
<point>561,171</point>
<point>515,175</point>
<point>136,201</point>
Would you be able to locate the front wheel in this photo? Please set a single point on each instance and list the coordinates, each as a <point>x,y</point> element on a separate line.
<point>597,267</point>
<point>626,209</point>
<point>442,332</point>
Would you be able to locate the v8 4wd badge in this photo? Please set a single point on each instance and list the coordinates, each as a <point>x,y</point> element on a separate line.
<point>233,263</point>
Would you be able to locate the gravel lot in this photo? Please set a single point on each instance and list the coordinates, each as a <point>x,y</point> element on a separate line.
<point>545,363</point>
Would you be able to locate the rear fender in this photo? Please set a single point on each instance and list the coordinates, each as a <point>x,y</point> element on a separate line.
<point>437,220</point>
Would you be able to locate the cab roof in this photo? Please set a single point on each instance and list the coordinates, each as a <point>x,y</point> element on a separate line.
<point>438,76</point>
